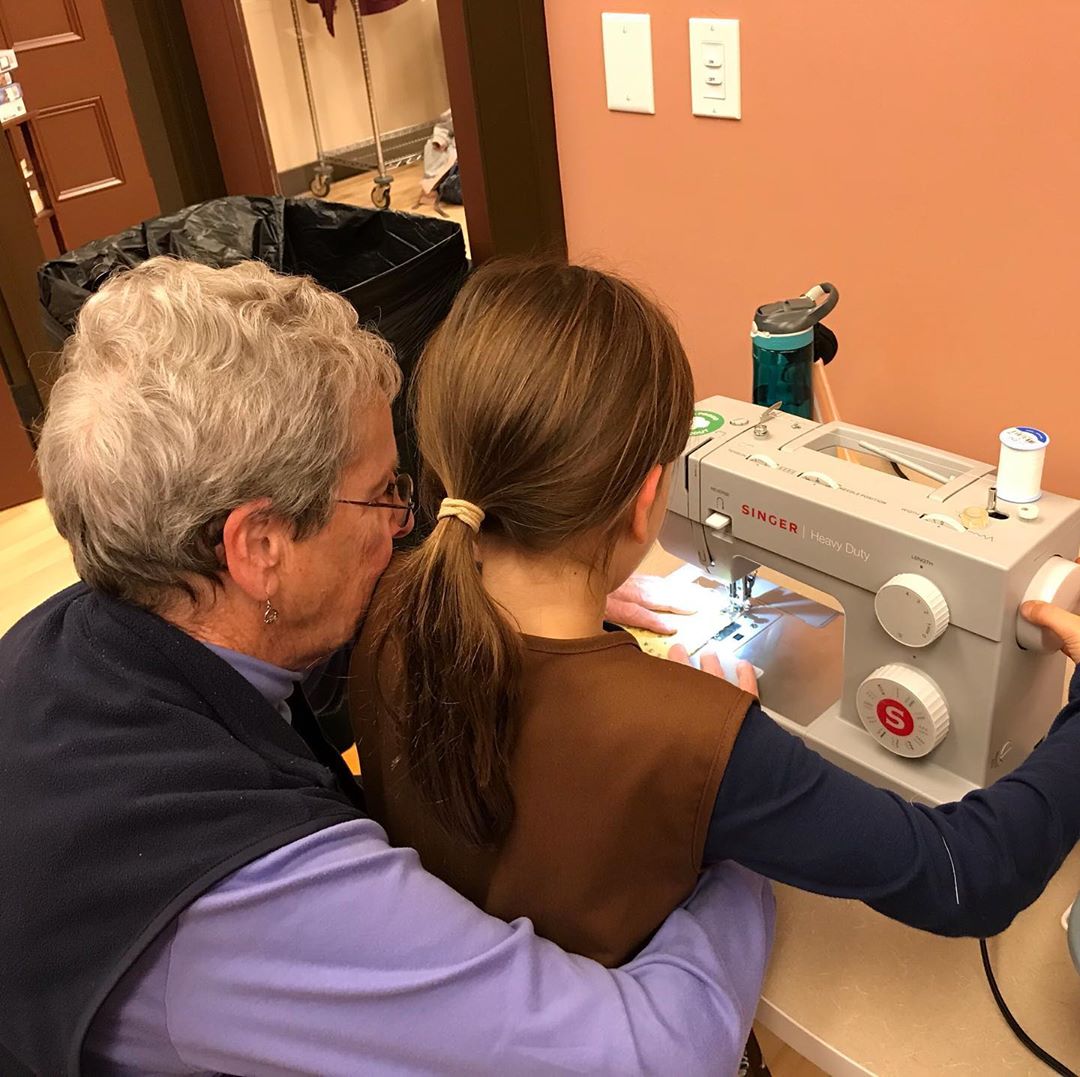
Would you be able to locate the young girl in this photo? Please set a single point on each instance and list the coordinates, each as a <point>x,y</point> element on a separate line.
<point>536,758</point>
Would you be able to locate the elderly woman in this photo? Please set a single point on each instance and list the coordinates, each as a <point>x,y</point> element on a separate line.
<point>190,882</point>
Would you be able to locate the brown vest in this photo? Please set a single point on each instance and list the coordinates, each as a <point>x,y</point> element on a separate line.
<point>615,770</point>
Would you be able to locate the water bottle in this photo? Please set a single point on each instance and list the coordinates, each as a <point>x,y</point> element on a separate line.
<point>786,338</point>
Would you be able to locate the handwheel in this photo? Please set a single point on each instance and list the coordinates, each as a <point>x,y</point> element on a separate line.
<point>380,197</point>
<point>320,185</point>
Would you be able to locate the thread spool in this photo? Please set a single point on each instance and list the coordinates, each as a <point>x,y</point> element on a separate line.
<point>1020,464</point>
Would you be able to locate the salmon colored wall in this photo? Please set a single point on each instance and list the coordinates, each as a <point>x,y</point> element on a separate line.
<point>924,156</point>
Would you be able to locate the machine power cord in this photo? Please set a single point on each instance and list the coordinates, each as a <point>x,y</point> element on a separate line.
<point>1043,1056</point>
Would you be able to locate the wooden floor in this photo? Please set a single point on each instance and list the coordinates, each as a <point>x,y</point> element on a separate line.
<point>34,561</point>
<point>405,195</point>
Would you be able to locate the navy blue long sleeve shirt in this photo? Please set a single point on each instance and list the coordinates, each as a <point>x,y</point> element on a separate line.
<point>959,869</point>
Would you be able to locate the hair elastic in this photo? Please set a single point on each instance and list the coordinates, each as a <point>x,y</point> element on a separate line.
<point>469,514</point>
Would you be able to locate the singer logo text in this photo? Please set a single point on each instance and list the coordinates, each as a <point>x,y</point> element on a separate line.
<point>770,518</point>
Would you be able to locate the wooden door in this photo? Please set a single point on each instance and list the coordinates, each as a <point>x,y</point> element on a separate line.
<point>85,131</point>
<point>499,76</point>
<point>227,71</point>
<point>18,480</point>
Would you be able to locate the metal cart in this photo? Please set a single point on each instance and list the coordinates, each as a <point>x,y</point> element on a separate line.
<point>354,156</point>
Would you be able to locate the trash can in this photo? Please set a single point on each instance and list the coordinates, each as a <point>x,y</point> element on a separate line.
<point>400,271</point>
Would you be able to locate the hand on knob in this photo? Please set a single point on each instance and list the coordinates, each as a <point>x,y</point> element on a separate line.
<point>1061,622</point>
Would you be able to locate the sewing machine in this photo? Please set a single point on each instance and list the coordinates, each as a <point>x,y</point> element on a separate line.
<point>930,684</point>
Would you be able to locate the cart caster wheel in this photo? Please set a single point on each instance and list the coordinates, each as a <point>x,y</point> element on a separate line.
<point>320,186</point>
<point>380,197</point>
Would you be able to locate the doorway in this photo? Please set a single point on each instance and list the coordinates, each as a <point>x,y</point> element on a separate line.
<point>356,102</point>
<point>497,78</point>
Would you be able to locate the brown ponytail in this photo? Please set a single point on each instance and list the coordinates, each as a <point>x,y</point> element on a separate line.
<point>545,398</point>
<point>459,668</point>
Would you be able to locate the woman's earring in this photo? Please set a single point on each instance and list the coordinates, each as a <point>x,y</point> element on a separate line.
<point>269,614</point>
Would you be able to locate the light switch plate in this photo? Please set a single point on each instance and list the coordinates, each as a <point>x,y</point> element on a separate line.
<point>628,62</point>
<point>715,76</point>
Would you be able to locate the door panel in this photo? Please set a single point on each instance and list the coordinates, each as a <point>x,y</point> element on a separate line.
<point>78,147</point>
<point>35,26</point>
<point>86,135</point>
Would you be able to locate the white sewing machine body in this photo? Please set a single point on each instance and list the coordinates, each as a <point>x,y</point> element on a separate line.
<point>893,552</point>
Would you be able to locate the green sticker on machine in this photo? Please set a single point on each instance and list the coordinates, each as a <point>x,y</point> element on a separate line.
<point>705,422</point>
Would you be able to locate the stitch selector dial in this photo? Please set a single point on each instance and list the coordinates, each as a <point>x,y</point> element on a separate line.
<point>912,609</point>
<point>903,710</point>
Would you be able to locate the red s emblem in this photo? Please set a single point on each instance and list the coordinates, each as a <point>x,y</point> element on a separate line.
<point>895,717</point>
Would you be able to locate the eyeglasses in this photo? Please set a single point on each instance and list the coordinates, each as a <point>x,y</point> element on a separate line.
<point>401,489</point>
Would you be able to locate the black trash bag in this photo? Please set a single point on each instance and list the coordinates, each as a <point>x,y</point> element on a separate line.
<point>401,272</point>
<point>450,187</point>
<point>218,233</point>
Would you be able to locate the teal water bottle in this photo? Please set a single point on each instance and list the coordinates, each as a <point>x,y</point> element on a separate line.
<point>784,339</point>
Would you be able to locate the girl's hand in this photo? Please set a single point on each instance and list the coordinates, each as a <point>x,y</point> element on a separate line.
<point>709,662</point>
<point>1061,622</point>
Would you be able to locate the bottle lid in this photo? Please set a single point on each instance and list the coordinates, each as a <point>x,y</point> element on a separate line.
<point>795,315</point>
<point>787,316</point>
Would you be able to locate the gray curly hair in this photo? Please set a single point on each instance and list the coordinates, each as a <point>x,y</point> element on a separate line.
<point>187,391</point>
